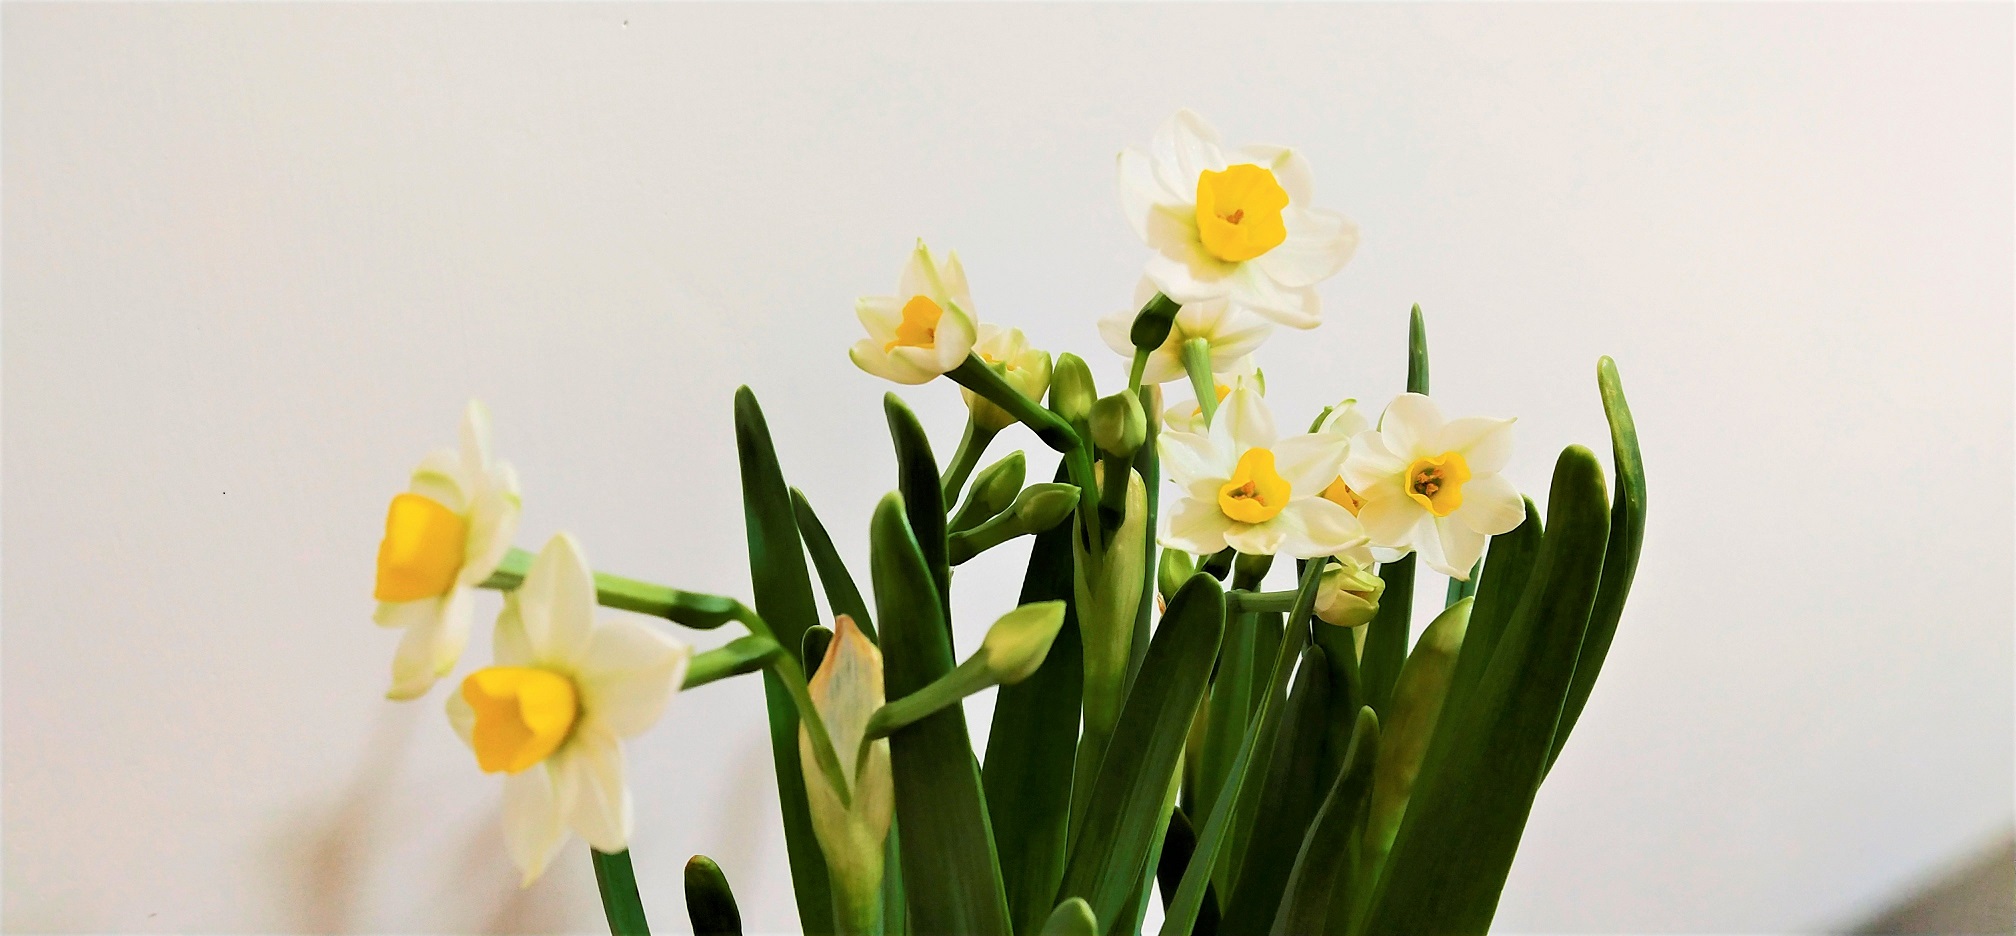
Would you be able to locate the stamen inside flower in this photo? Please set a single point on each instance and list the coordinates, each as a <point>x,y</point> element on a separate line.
<point>1198,410</point>
<point>919,328</point>
<point>422,550</point>
<point>1341,494</point>
<point>1239,212</point>
<point>522,715</point>
<point>1256,492</point>
<point>1437,483</point>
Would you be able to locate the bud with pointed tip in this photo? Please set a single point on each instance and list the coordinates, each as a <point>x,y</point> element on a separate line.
<point>1017,643</point>
<point>993,490</point>
<point>1118,424</point>
<point>1349,593</point>
<point>1175,568</point>
<point>847,690</point>
<point>1071,389</point>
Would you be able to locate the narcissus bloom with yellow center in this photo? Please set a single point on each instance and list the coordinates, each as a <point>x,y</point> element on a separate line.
<point>1433,485</point>
<point>1025,368</point>
<point>1237,226</point>
<point>924,330</point>
<point>552,714</point>
<point>1245,488</point>
<point>1232,334</point>
<point>443,537</point>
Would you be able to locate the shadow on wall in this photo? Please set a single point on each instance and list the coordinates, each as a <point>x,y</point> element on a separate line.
<point>1976,897</point>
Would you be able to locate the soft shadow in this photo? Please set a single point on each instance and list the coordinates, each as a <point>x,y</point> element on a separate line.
<point>324,853</point>
<point>1976,897</point>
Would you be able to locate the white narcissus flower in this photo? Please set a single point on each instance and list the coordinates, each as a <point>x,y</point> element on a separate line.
<point>1345,420</point>
<point>1231,333</point>
<point>1237,225</point>
<point>443,537</point>
<point>846,690</point>
<point>553,712</point>
<point>1188,416</point>
<point>1244,488</point>
<point>1025,368</point>
<point>1432,484</point>
<point>924,330</point>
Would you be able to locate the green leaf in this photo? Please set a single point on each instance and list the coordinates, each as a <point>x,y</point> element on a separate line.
<point>1463,823</point>
<point>1417,352</point>
<point>1324,862</point>
<point>1226,710</point>
<point>1123,815</point>
<point>923,501</point>
<point>813,649</point>
<point>620,902</point>
<point>1031,745</point>
<point>1620,559</point>
<point>709,902</point>
<point>949,870</point>
<point>783,591</point>
<point>1291,793</point>
<point>1460,589</point>
<point>1071,918</point>
<point>1386,638</point>
<point>841,594</point>
<point>1417,705</point>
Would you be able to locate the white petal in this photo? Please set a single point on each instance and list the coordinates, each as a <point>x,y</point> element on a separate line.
<point>1190,456</point>
<point>1238,337</point>
<point>493,521</point>
<point>880,315</point>
<point>439,478</point>
<point>1243,422</point>
<point>429,649</point>
<point>403,614</point>
<point>1345,419</point>
<point>1460,547</point>
<point>1319,243</point>
<point>1317,527</point>
<point>1486,444</point>
<point>534,825</point>
<point>1411,426</point>
<point>1310,462</point>
<point>953,341</point>
<point>1427,542</point>
<point>1253,290</point>
<point>591,766</point>
<point>1184,148</point>
<point>1118,332</point>
<point>629,672</point>
<point>1258,539</point>
<point>508,643</point>
<point>462,718</point>
<point>1197,526</point>
<point>1371,463</point>
<point>1491,505</point>
<point>475,441</point>
<point>1390,521</point>
<point>1191,275</point>
<point>952,279</point>
<point>557,602</point>
<point>1141,193</point>
<point>919,277</point>
<point>868,355</point>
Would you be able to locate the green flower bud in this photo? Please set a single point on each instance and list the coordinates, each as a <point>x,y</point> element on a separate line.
<point>1248,569</point>
<point>993,490</point>
<point>1118,424</point>
<point>1017,643</point>
<point>1175,568</point>
<point>1349,593</point>
<point>1071,390</point>
<point>1042,506</point>
<point>1025,368</point>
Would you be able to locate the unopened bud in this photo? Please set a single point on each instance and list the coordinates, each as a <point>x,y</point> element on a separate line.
<point>1017,643</point>
<point>1042,506</point>
<point>1175,568</point>
<point>1071,389</point>
<point>994,488</point>
<point>1118,424</point>
<point>1349,593</point>
<point>846,690</point>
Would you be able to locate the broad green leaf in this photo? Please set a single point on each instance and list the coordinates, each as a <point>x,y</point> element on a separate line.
<point>1620,559</point>
<point>1071,918</point>
<point>709,902</point>
<point>813,649</point>
<point>1226,710</point>
<point>842,597</point>
<point>1031,746</point>
<point>1347,690</point>
<point>1123,815</point>
<point>1463,823</point>
<point>949,871</point>
<point>1323,864</point>
<point>783,592</point>
<point>1417,704</point>
<point>1291,792</point>
<point>923,501</point>
<point>1387,637</point>
<point>620,902</point>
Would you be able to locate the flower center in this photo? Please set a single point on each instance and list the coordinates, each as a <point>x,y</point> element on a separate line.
<point>422,550</point>
<point>522,715</point>
<point>1256,491</point>
<point>1341,494</point>
<point>1437,483</point>
<point>919,328</point>
<point>1239,212</point>
<point>1223,392</point>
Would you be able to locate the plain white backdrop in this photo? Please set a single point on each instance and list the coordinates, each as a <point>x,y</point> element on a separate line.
<point>256,259</point>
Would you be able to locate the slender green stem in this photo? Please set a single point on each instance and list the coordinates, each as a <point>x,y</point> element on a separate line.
<point>971,446</point>
<point>739,656</point>
<point>691,609</point>
<point>975,375</point>
<point>1197,363</point>
<point>786,667</point>
<point>620,901</point>
<point>1078,462</point>
<point>1113,496</point>
<point>1242,600</point>
<point>1140,370</point>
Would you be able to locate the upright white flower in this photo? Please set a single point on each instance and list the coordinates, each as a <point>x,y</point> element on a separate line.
<point>1231,333</point>
<point>924,330</point>
<point>1025,368</point>
<point>1432,484</point>
<point>443,537</point>
<point>1188,415</point>
<point>1236,226</point>
<point>553,713</point>
<point>1242,487</point>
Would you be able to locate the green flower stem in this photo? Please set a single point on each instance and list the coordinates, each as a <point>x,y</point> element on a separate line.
<point>786,667</point>
<point>691,609</point>
<point>1242,600</point>
<point>1113,495</point>
<point>621,903</point>
<point>971,446</point>
<point>1197,363</point>
<point>739,656</point>
<point>1140,370</point>
<point>1078,462</point>
<point>975,375</point>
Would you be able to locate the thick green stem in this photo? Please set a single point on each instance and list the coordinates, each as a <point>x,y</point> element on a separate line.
<point>971,446</point>
<point>691,609</point>
<point>620,901</point>
<point>1197,363</point>
<point>975,375</point>
<point>1140,369</point>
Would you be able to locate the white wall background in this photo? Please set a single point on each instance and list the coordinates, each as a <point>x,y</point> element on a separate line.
<point>257,258</point>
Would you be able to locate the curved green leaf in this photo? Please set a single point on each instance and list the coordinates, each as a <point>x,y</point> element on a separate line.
<point>842,597</point>
<point>710,904</point>
<point>1417,706</point>
<point>1290,795</point>
<point>923,501</point>
<point>1323,864</point>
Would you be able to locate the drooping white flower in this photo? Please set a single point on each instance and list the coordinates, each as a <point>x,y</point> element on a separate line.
<point>1231,333</point>
<point>553,712</point>
<point>1432,484</point>
<point>443,537</point>
<point>924,330</point>
<point>1245,488</point>
<point>1025,368</point>
<point>1238,225</point>
<point>1188,416</point>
